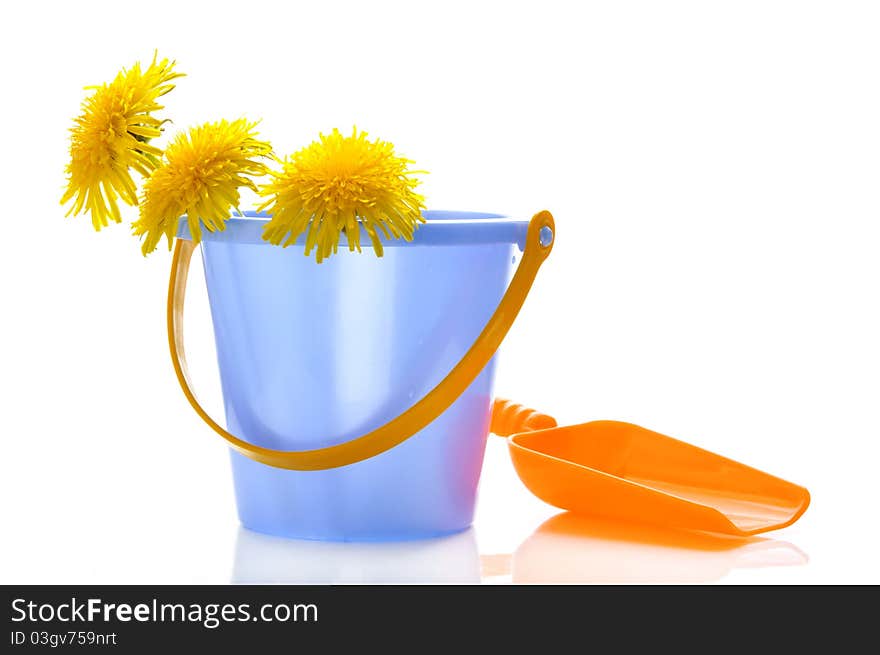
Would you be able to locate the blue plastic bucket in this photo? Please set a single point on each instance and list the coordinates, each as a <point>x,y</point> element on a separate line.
<point>314,355</point>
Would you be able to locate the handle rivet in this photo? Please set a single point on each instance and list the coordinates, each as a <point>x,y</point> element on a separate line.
<point>545,236</point>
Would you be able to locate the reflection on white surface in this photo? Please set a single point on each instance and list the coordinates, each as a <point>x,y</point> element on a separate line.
<point>566,549</point>
<point>261,558</point>
<point>573,549</point>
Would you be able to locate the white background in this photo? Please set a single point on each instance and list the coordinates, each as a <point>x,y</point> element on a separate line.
<point>713,169</point>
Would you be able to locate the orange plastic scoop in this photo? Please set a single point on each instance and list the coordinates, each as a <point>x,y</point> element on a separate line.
<point>622,471</point>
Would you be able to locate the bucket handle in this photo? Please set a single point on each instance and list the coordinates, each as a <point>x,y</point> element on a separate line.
<point>539,242</point>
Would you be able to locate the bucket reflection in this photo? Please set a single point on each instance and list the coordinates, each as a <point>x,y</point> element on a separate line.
<point>575,549</point>
<point>264,559</point>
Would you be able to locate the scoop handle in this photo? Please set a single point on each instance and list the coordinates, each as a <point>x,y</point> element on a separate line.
<point>510,418</point>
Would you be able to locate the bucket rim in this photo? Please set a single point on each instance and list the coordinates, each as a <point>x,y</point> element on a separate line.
<point>442,228</point>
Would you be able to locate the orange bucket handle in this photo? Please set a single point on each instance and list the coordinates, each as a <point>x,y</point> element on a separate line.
<point>539,243</point>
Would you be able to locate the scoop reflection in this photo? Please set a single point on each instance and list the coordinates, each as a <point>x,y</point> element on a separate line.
<point>261,559</point>
<point>574,549</point>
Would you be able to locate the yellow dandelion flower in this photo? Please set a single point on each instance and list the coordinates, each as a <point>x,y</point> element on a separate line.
<point>201,177</point>
<point>111,137</point>
<point>335,183</point>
